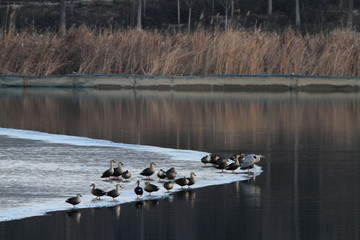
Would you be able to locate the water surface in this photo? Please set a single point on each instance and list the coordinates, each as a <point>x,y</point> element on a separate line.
<point>308,189</point>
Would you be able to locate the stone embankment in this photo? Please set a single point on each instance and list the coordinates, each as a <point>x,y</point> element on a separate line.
<point>189,83</point>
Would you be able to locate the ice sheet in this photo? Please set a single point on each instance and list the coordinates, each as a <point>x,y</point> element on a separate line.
<point>39,171</point>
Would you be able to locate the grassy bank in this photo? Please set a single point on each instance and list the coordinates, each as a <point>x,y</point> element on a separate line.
<point>87,51</point>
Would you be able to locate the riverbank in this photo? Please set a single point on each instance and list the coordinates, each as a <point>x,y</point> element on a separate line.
<point>275,83</point>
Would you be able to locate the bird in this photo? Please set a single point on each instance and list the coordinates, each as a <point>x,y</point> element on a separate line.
<point>138,190</point>
<point>221,160</point>
<point>115,192</point>
<point>161,175</point>
<point>148,171</point>
<point>118,171</point>
<point>213,159</point>
<point>191,179</point>
<point>241,157</point>
<point>126,175</point>
<point>168,185</point>
<point>150,188</point>
<point>235,165</point>
<point>222,163</point>
<point>250,161</point>
<point>182,181</point>
<point>96,191</point>
<point>109,172</point>
<point>171,173</point>
<point>74,200</point>
<point>206,159</point>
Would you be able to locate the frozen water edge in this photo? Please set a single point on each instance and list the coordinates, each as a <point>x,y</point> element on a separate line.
<point>51,156</point>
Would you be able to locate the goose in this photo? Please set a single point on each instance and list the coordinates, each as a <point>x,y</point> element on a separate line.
<point>109,172</point>
<point>126,175</point>
<point>138,190</point>
<point>115,192</point>
<point>168,185</point>
<point>74,200</point>
<point>191,179</point>
<point>148,171</point>
<point>206,159</point>
<point>161,175</point>
<point>150,188</point>
<point>250,161</point>
<point>171,173</point>
<point>97,192</point>
<point>182,181</point>
<point>118,171</point>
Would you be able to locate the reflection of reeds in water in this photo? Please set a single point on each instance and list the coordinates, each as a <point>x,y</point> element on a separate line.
<point>218,122</point>
<point>87,51</point>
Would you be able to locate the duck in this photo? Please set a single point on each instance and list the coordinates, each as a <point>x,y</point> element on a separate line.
<point>168,185</point>
<point>150,188</point>
<point>250,161</point>
<point>191,179</point>
<point>171,173</point>
<point>138,190</point>
<point>115,192</point>
<point>222,164</point>
<point>148,171</point>
<point>109,172</point>
<point>213,159</point>
<point>206,159</point>
<point>96,191</point>
<point>161,175</point>
<point>126,175</point>
<point>182,182</point>
<point>235,165</point>
<point>74,200</point>
<point>118,171</point>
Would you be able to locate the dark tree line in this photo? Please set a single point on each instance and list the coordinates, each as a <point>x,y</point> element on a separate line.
<point>308,15</point>
<point>306,11</point>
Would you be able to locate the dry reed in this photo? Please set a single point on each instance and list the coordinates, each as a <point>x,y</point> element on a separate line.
<point>87,51</point>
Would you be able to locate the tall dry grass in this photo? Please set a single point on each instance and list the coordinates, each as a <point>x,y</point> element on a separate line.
<point>86,51</point>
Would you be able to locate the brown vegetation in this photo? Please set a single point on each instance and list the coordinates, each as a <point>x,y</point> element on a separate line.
<point>86,51</point>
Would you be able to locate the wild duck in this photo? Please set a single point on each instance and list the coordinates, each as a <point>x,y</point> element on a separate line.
<point>161,175</point>
<point>115,192</point>
<point>148,171</point>
<point>150,188</point>
<point>138,190</point>
<point>74,200</point>
<point>96,191</point>
<point>109,172</point>
<point>118,171</point>
<point>126,175</point>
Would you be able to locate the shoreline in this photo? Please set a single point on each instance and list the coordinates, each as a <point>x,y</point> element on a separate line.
<point>256,83</point>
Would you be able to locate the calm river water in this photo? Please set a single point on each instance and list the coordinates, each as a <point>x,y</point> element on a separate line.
<point>308,190</point>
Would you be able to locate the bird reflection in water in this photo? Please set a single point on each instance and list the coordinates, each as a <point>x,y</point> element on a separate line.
<point>139,205</point>
<point>151,203</point>
<point>237,189</point>
<point>74,214</point>
<point>171,198</point>
<point>188,195</point>
<point>252,177</point>
<point>251,192</point>
<point>116,209</point>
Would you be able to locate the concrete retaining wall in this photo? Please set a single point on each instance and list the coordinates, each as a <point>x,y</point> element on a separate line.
<point>188,83</point>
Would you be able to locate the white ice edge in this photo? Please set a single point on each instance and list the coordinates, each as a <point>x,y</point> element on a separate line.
<point>175,154</point>
<point>127,196</point>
